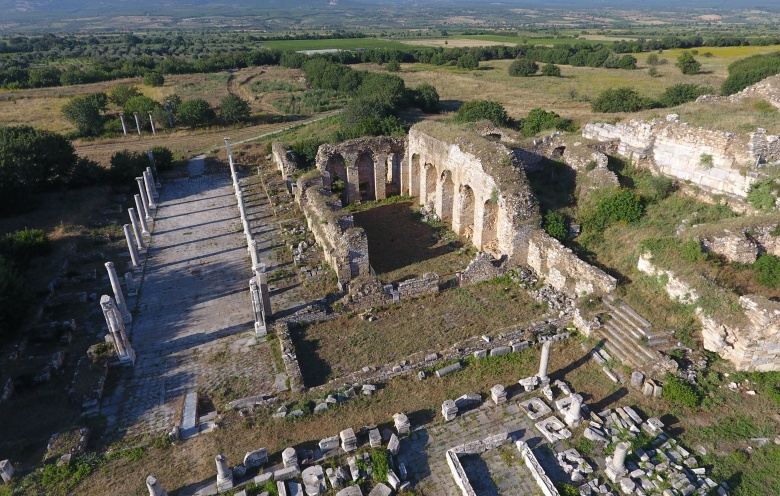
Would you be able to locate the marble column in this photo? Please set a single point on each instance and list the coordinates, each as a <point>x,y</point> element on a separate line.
<point>131,246</point>
<point>224,474</point>
<point>265,296</point>
<point>573,415</point>
<point>146,200</point>
<point>616,468</point>
<point>116,329</point>
<point>142,215</point>
<point>151,121</point>
<point>124,126</point>
<point>257,308</point>
<point>139,237</point>
<point>544,361</point>
<point>153,485</point>
<point>137,123</point>
<point>155,180</point>
<point>118,296</point>
<point>253,253</point>
<point>149,192</point>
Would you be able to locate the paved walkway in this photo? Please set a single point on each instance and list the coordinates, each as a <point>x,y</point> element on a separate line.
<point>193,327</point>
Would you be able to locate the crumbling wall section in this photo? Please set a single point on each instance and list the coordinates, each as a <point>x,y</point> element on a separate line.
<point>285,159</point>
<point>754,346</point>
<point>344,246</point>
<point>716,161</point>
<point>427,284</point>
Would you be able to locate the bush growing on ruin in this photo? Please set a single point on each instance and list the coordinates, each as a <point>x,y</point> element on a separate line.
<point>477,110</point>
<point>768,270</point>
<point>763,194</point>
<point>625,206</point>
<point>556,225</point>
<point>523,67</point>
<point>688,64</point>
<point>680,392</point>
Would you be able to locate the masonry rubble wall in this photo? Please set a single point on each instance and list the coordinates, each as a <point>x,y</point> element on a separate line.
<point>284,159</point>
<point>480,189</point>
<point>767,89</point>
<point>344,246</point>
<point>459,474</point>
<point>290,359</point>
<point>743,244</point>
<point>427,284</point>
<point>754,346</point>
<point>716,161</point>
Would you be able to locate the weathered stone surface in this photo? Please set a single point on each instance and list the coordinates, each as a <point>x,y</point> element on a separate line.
<point>6,471</point>
<point>380,490</point>
<point>329,443</point>
<point>256,458</point>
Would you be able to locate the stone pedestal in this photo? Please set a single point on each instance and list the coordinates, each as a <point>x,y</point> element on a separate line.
<point>498,394</point>
<point>154,487</point>
<point>314,480</point>
<point>139,238</point>
<point>224,474</point>
<point>131,246</point>
<point>289,458</point>
<point>573,415</point>
<point>544,361</point>
<point>118,296</point>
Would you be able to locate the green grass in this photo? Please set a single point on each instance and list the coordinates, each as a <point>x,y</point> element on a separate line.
<point>342,44</point>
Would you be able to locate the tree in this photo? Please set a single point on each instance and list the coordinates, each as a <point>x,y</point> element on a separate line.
<point>154,79</point>
<point>627,62</point>
<point>477,110</point>
<point>393,66</point>
<point>620,100</point>
<point>468,61</point>
<point>125,167</point>
<point>234,109</point>
<point>121,93</point>
<point>44,77</point>
<point>652,59</point>
<point>551,70</point>
<point>688,64</point>
<point>677,94</point>
<point>85,113</point>
<point>427,98</point>
<point>195,112</point>
<point>523,67</point>
<point>142,105</point>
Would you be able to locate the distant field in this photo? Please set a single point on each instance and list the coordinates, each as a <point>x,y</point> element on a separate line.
<point>456,42</point>
<point>343,44</point>
<point>521,40</point>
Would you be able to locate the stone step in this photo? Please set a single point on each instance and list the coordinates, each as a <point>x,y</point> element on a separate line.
<point>625,320</point>
<point>617,350</point>
<point>642,354</point>
<point>634,315</point>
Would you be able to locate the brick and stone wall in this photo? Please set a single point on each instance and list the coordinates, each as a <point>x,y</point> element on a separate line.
<point>284,159</point>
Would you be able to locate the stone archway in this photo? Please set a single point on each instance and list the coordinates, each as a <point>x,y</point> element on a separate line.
<point>489,241</point>
<point>366,177</point>
<point>463,221</point>
<point>336,167</point>
<point>444,205</point>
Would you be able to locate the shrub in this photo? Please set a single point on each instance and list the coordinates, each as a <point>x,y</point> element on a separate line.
<point>380,464</point>
<point>652,59</point>
<point>680,392</point>
<point>551,70</point>
<point>691,251</point>
<point>234,109</point>
<point>477,110</point>
<point>125,167</point>
<point>625,205</point>
<point>620,100</point>
<point>677,94</point>
<point>154,79</point>
<point>139,104</point>
<point>567,490</point>
<point>21,246</point>
<point>163,158</point>
<point>688,64</point>
<point>121,93</point>
<point>556,225</point>
<point>750,70</point>
<point>539,120</point>
<point>307,149</point>
<point>393,66</point>
<point>523,67</point>
<point>653,188</point>
<point>13,296</point>
<point>195,112</point>
<point>467,61</point>
<point>426,98</point>
<point>763,194</point>
<point>84,112</point>
<point>627,62</point>
<point>768,270</point>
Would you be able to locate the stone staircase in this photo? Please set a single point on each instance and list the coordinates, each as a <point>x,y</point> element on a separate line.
<point>630,338</point>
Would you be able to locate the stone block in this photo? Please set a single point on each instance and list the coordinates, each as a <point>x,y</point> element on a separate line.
<point>374,438</point>
<point>637,378</point>
<point>380,490</point>
<point>256,458</point>
<point>329,443</point>
<point>480,354</point>
<point>501,351</point>
<point>350,491</point>
<point>281,488</point>
<point>394,445</point>
<point>448,369</point>
<point>286,473</point>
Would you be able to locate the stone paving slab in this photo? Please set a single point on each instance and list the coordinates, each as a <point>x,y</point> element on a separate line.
<point>193,327</point>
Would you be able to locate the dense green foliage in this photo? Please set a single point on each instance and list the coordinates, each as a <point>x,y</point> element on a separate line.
<point>620,100</point>
<point>154,79</point>
<point>556,225</point>
<point>677,94</point>
<point>14,296</point>
<point>163,158</point>
<point>523,67</point>
<point>625,205</point>
<point>426,98</point>
<point>234,109</point>
<point>477,110</point>
<point>196,112</point>
<point>688,64</point>
<point>763,194</point>
<point>680,392</point>
<point>393,66</point>
<point>85,112</point>
<point>539,120</point>
<point>21,246</point>
<point>380,464</point>
<point>125,167</point>
<point>467,61</point>
<point>121,93</point>
<point>750,70</point>
<point>551,70</point>
<point>768,270</point>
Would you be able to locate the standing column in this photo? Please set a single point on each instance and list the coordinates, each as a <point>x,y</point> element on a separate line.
<point>573,415</point>
<point>139,238</point>
<point>153,485</point>
<point>151,121</point>
<point>131,246</point>
<point>616,467</point>
<point>149,186</point>
<point>544,361</point>
<point>155,180</point>
<point>224,474</point>
<point>265,297</point>
<point>253,253</point>
<point>144,198</point>
<point>137,123</point>
<point>257,308</point>
<point>118,296</point>
<point>124,126</point>
<point>142,215</point>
